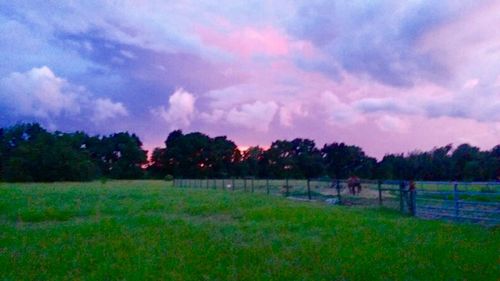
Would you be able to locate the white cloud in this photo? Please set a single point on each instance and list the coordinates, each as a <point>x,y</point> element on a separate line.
<point>472,104</point>
<point>257,116</point>
<point>391,124</point>
<point>213,117</point>
<point>289,111</point>
<point>106,109</point>
<point>39,93</point>
<point>338,112</point>
<point>180,111</point>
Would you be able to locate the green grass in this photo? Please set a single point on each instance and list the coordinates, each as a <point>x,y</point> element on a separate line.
<point>146,230</point>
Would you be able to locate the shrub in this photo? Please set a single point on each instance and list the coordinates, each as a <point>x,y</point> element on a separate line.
<point>169,178</point>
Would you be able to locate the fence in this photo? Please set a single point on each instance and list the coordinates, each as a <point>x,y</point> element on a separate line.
<point>477,202</point>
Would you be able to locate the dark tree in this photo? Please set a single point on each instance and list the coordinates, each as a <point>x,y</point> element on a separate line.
<point>196,155</point>
<point>221,156</point>
<point>251,161</point>
<point>30,153</point>
<point>156,168</point>
<point>123,156</point>
<point>466,162</point>
<point>298,158</point>
<point>343,160</point>
<point>279,160</point>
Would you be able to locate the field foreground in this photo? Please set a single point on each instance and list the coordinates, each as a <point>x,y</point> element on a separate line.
<point>148,230</point>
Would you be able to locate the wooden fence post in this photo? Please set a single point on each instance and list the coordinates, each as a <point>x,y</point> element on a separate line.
<point>412,198</point>
<point>215,183</point>
<point>223,184</point>
<point>401,196</point>
<point>337,186</point>
<point>267,186</point>
<point>252,184</point>
<point>245,184</point>
<point>232,184</point>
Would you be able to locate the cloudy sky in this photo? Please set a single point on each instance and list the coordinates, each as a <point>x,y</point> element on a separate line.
<point>389,76</point>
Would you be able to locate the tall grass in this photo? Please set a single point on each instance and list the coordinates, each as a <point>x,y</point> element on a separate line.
<point>148,230</point>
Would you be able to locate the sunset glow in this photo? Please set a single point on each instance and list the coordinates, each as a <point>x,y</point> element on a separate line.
<point>387,76</point>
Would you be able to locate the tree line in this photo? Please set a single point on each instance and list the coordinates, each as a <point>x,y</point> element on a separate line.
<point>28,152</point>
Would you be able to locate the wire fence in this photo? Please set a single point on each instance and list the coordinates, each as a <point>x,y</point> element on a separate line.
<point>457,201</point>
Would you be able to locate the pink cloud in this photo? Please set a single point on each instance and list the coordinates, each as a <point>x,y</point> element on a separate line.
<point>247,41</point>
<point>468,45</point>
<point>257,116</point>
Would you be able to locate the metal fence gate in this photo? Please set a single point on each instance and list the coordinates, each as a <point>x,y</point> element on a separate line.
<point>459,201</point>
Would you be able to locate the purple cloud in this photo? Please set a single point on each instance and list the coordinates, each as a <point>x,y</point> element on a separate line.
<point>377,74</point>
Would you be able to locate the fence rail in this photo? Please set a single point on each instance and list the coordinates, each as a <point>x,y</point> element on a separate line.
<point>457,201</point>
<point>482,204</point>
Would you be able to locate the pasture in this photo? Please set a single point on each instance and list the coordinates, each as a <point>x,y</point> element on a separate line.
<point>149,230</point>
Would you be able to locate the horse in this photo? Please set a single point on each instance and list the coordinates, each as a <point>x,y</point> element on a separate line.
<point>354,184</point>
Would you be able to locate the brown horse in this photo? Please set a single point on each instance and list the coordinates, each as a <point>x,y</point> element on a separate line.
<point>354,184</point>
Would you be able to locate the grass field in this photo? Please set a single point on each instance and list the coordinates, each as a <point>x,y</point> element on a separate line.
<point>148,230</point>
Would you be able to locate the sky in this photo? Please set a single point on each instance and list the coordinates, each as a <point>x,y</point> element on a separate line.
<point>388,76</point>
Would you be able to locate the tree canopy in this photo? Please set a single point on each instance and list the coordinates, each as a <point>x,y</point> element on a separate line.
<point>28,152</point>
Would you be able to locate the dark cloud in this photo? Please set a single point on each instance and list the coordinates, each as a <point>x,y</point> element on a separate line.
<point>377,39</point>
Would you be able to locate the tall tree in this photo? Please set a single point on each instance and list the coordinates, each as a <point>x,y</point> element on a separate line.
<point>343,160</point>
<point>251,161</point>
<point>156,168</point>
<point>298,158</point>
<point>124,156</point>
<point>30,153</point>
<point>465,162</point>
